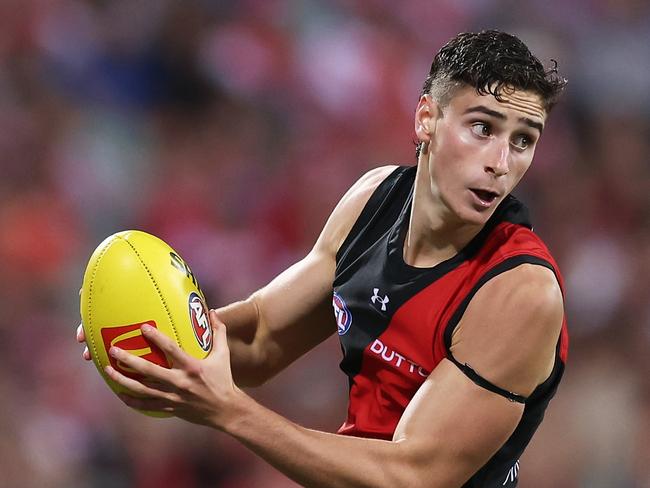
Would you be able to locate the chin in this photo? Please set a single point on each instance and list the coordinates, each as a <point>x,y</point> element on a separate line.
<point>466,214</point>
<point>477,220</point>
<point>471,216</point>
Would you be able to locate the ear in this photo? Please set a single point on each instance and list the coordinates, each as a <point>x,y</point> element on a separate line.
<point>426,116</point>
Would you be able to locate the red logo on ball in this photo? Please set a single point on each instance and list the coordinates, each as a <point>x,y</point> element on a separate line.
<point>200,322</point>
<point>130,338</point>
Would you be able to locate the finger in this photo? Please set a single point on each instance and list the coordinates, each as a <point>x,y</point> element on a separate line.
<point>159,386</point>
<point>81,335</point>
<point>139,365</point>
<point>218,328</point>
<point>168,346</point>
<point>86,354</point>
<point>132,385</point>
<point>219,336</point>
<point>150,404</point>
<point>214,317</point>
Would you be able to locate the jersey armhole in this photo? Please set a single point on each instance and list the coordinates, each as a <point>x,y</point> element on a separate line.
<point>466,369</point>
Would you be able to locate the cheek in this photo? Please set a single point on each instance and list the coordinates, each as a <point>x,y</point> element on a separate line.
<point>520,168</point>
<point>456,149</point>
<point>464,138</point>
<point>455,140</point>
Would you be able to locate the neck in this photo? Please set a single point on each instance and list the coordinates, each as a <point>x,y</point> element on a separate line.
<point>434,233</point>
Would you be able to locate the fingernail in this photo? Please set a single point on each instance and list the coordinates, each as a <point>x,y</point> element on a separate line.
<point>146,329</point>
<point>114,351</point>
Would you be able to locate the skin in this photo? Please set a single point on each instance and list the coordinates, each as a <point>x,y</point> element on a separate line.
<point>508,333</point>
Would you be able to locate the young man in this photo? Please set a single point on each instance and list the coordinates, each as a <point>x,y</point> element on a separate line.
<point>449,307</point>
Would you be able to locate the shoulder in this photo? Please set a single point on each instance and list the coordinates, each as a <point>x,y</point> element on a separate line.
<point>529,290</point>
<point>511,327</point>
<point>359,193</point>
<point>349,208</point>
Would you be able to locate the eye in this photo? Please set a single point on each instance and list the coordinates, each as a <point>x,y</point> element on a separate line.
<point>522,141</point>
<point>481,129</point>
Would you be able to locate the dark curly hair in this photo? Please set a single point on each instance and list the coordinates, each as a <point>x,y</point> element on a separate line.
<point>491,61</point>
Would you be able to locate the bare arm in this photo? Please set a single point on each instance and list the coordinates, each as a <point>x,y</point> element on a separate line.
<point>449,430</point>
<point>261,340</point>
<point>292,314</point>
<point>443,439</point>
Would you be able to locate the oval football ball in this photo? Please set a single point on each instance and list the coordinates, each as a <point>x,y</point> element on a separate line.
<point>134,278</point>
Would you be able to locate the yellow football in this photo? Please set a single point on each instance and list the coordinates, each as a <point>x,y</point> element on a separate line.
<point>134,278</point>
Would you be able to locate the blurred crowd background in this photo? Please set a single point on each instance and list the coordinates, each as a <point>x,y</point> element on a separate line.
<point>230,129</point>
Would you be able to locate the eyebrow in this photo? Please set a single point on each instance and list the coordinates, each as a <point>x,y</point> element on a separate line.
<point>498,115</point>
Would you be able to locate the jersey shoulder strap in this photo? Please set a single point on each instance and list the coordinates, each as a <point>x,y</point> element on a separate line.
<point>378,215</point>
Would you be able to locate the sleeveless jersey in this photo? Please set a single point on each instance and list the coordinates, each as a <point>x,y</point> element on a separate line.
<point>395,321</point>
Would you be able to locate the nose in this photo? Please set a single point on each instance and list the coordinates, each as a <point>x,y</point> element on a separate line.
<point>498,163</point>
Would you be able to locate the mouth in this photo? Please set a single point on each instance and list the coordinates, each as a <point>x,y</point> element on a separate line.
<point>485,197</point>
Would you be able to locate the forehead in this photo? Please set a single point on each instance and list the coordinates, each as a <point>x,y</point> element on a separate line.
<point>519,103</point>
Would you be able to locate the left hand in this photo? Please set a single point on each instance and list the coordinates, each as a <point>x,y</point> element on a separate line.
<point>199,391</point>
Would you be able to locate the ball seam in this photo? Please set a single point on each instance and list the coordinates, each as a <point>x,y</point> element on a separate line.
<point>93,344</point>
<point>162,299</point>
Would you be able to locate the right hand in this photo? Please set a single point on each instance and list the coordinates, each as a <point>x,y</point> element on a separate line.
<point>81,338</point>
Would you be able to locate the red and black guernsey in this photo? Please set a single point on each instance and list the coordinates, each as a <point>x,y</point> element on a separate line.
<point>395,321</point>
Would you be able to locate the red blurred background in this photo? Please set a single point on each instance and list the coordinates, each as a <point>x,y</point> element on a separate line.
<point>231,129</point>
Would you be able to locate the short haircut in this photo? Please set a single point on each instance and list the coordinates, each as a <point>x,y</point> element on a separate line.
<point>491,61</point>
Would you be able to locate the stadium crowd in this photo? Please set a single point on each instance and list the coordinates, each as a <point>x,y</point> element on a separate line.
<point>230,129</point>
